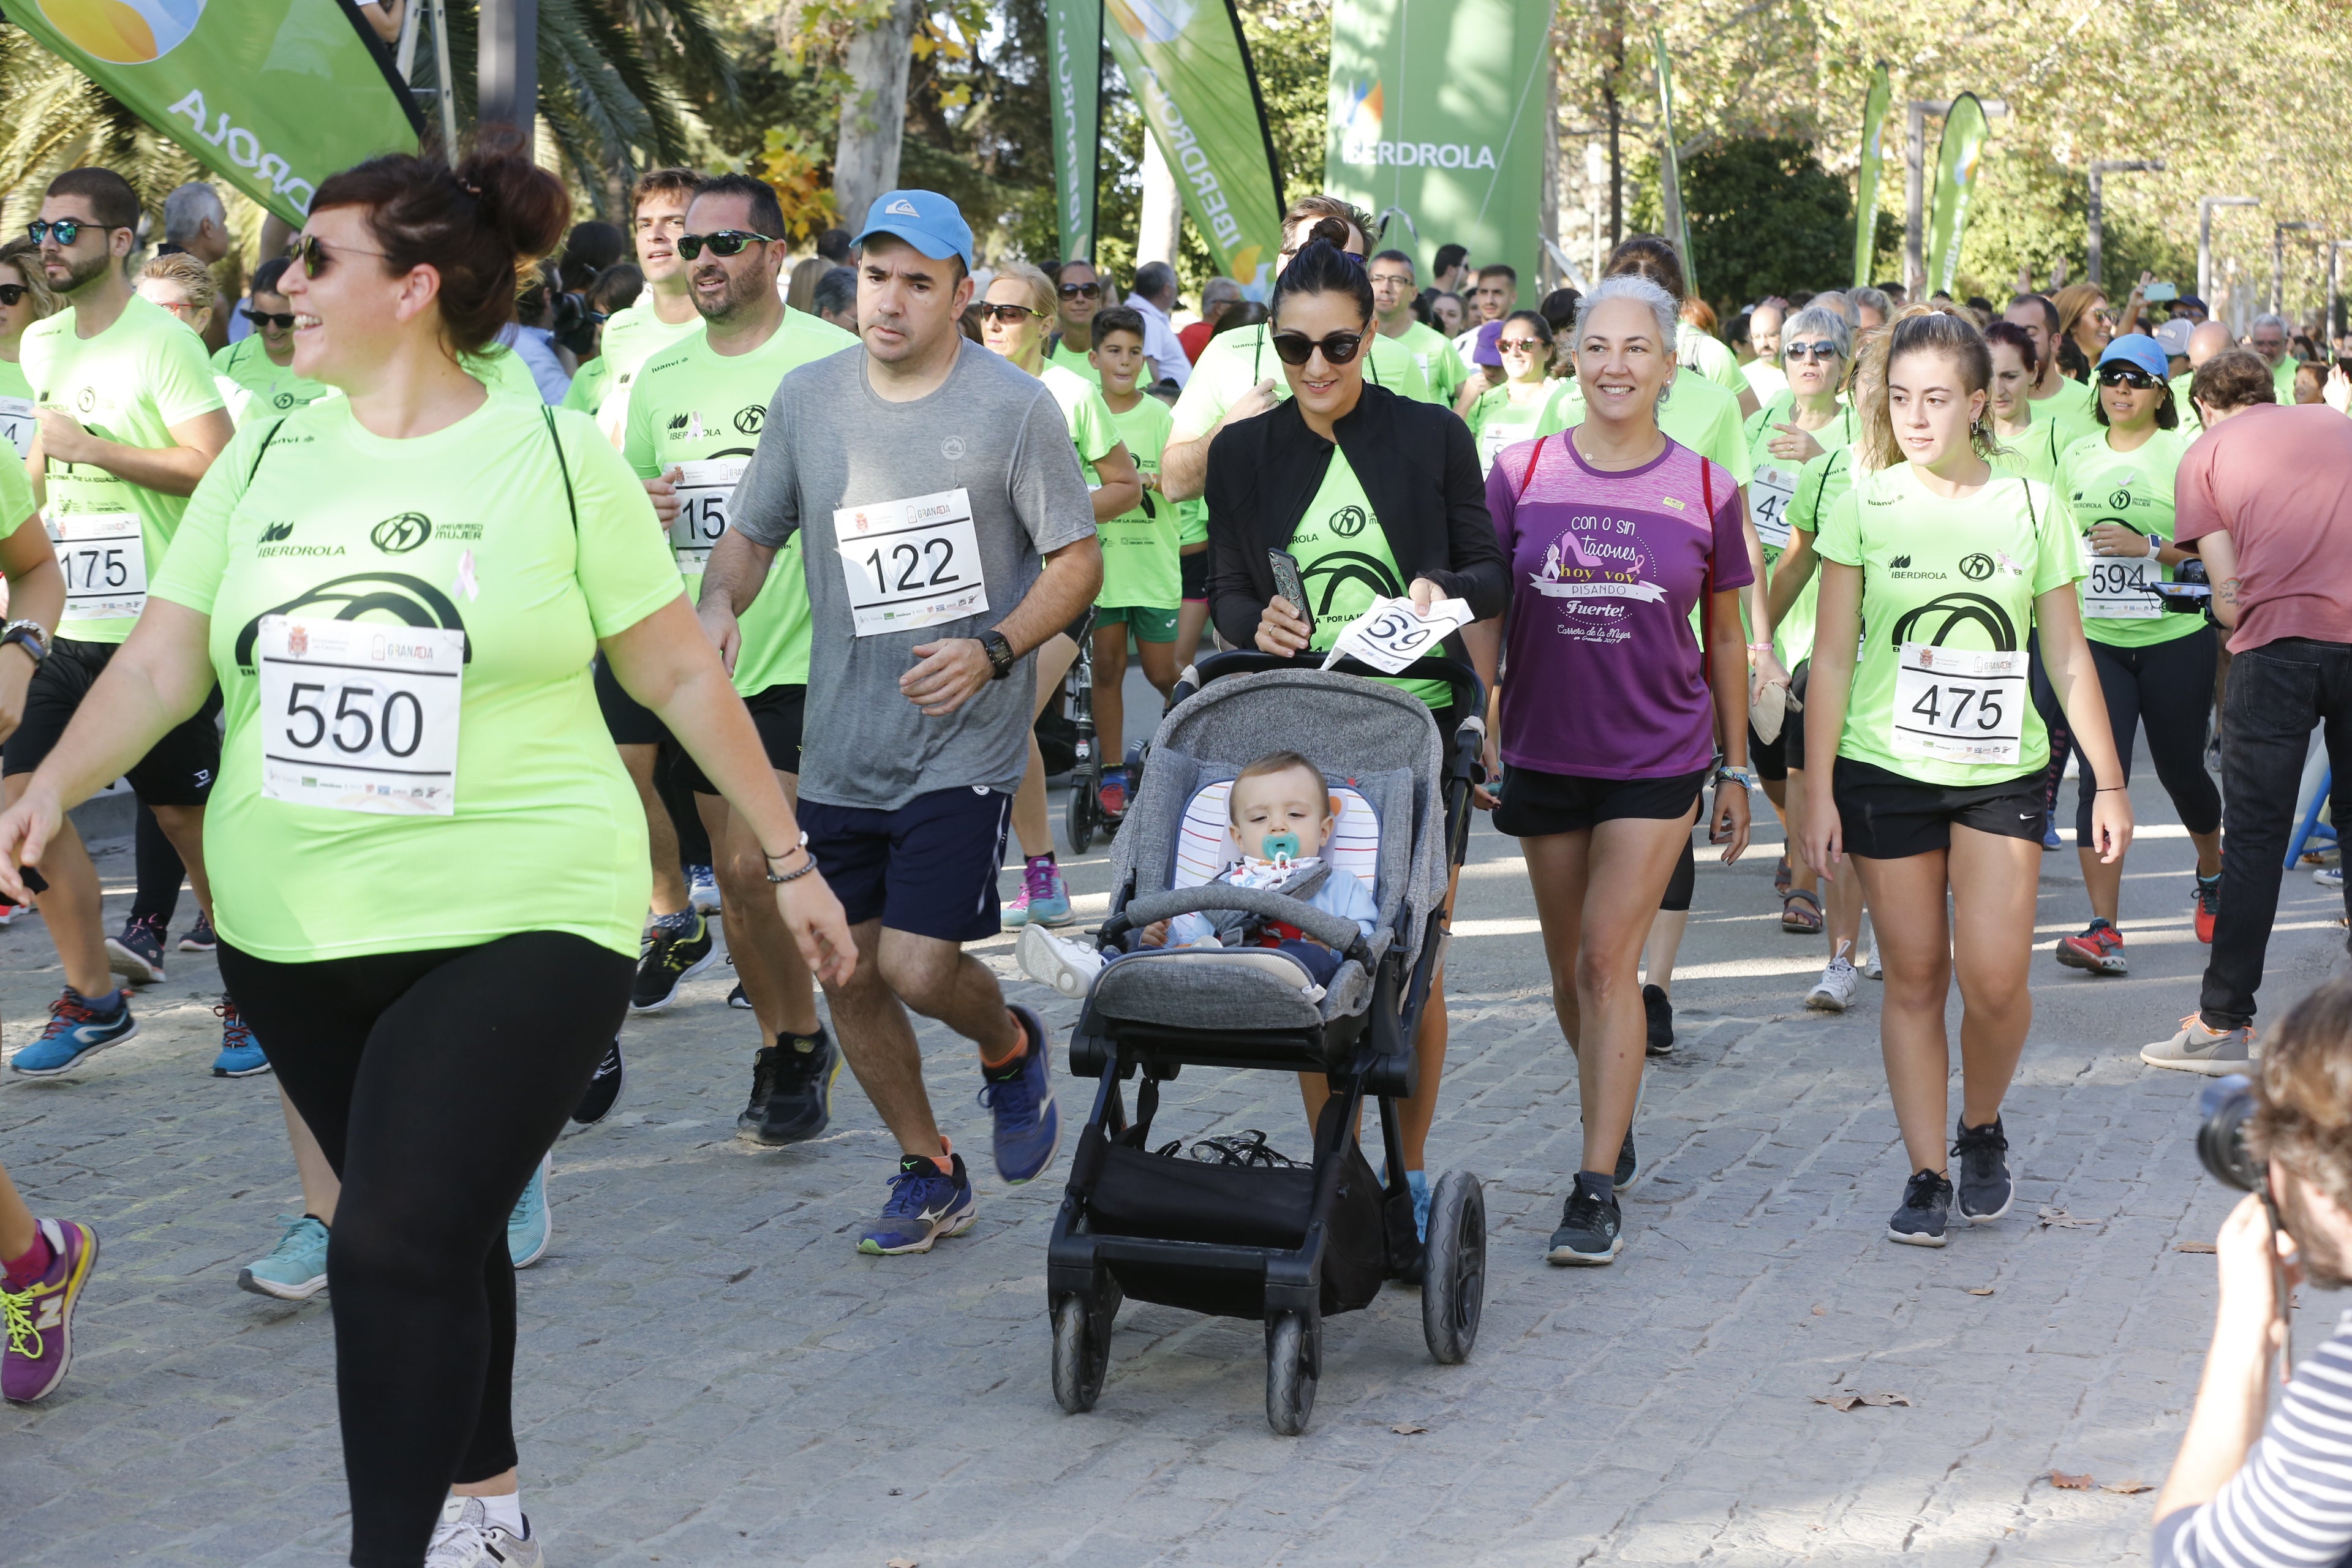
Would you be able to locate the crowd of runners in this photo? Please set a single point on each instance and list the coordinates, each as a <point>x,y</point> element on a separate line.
<point>736,616</point>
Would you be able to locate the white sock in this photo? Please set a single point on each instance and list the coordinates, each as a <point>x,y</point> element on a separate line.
<point>506,1512</point>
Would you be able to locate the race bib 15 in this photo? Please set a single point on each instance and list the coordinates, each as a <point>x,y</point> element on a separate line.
<point>706,488</point>
<point>358,716</point>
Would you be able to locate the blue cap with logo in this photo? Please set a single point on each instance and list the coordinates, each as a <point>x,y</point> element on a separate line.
<point>2138,349</point>
<point>924,219</point>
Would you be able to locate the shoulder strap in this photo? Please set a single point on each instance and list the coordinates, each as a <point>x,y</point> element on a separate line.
<point>570,500</point>
<point>1529,476</point>
<point>263,452</point>
<point>2032,515</point>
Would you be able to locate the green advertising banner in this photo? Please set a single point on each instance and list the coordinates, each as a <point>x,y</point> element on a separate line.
<point>1865,177</point>
<point>1670,164</point>
<point>1074,74</point>
<point>1956,161</point>
<point>271,95</point>
<point>1437,112</point>
<point>1187,65</point>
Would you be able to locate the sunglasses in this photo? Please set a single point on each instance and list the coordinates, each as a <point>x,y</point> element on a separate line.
<point>726,242</point>
<point>316,257</point>
<point>1519,345</point>
<point>10,293</point>
<point>1297,348</point>
<point>65,230</point>
<point>283,322</point>
<point>1081,291</point>
<point>1007,315</point>
<point>1820,352</point>
<point>2129,376</point>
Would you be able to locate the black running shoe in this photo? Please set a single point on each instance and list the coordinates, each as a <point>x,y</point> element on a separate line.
<point>736,998</point>
<point>1662,1020</point>
<point>668,962</point>
<point>763,1083</point>
<point>1926,1206</point>
<point>1589,1234</point>
<point>1986,1191</point>
<point>800,1100</point>
<point>1628,1169</point>
<point>604,1090</point>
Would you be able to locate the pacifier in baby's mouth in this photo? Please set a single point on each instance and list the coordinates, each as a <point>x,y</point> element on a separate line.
<point>1281,848</point>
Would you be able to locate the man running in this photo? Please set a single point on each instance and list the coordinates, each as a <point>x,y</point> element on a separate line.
<point>948,534</point>
<point>662,315</point>
<point>128,421</point>
<point>694,414</point>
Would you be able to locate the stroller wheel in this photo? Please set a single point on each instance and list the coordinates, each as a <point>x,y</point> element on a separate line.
<point>1080,1358</point>
<point>1293,1358</point>
<point>1084,812</point>
<point>1453,1278</point>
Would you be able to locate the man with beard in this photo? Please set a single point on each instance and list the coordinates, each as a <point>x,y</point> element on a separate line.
<point>2244,1492</point>
<point>128,420</point>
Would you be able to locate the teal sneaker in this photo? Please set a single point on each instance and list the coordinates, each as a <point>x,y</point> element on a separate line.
<point>529,1228</point>
<point>75,1030</point>
<point>296,1268</point>
<point>1045,896</point>
<point>240,1053</point>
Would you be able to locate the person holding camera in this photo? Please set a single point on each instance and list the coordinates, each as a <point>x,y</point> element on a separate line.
<point>2245,1492</point>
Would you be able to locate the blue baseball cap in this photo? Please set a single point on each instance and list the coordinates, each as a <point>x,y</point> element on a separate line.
<point>2139,349</point>
<point>924,219</point>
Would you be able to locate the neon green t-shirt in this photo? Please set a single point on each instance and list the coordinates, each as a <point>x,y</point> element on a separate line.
<point>2185,406</point>
<point>15,408</point>
<point>1075,361</point>
<point>1433,355</point>
<point>2073,407</point>
<point>2098,484</point>
<point>689,404</point>
<point>1231,363</point>
<point>271,388</point>
<point>501,370</point>
<point>1344,564</point>
<point>129,383</point>
<point>17,506</point>
<point>472,529</point>
<point>2283,379</point>
<point>1773,490</point>
<point>1820,483</point>
<point>631,338</point>
<point>1711,357</point>
<point>1092,429</point>
<point>2035,454</point>
<point>1141,548</point>
<point>1192,520</point>
<point>1944,585</point>
<point>1497,421</point>
<point>1696,413</point>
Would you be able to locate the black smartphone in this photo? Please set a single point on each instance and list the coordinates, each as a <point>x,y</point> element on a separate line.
<point>1290,585</point>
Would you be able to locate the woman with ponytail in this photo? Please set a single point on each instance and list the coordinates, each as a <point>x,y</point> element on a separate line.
<point>399,591</point>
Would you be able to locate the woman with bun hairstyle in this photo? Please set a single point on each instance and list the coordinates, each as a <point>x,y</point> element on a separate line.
<point>410,689</point>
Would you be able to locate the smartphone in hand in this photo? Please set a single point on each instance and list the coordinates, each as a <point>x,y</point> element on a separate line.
<point>1290,585</point>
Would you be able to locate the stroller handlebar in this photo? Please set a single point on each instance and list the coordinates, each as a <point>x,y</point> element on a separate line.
<point>1469,693</point>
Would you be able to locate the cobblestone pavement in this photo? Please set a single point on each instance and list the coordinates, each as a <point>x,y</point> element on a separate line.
<point>711,1375</point>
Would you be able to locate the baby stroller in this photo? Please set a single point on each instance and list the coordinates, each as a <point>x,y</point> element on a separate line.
<point>1250,1237</point>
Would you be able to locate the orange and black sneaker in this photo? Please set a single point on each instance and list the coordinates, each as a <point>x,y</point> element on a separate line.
<point>2099,948</point>
<point>2209,906</point>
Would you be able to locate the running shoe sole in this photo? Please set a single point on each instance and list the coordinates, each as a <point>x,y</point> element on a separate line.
<point>1569,1257</point>
<point>2071,958</point>
<point>1041,958</point>
<point>66,1067</point>
<point>243,1073</point>
<point>2007,1204</point>
<point>688,972</point>
<point>1910,1239</point>
<point>302,1292</point>
<point>139,971</point>
<point>956,1226</point>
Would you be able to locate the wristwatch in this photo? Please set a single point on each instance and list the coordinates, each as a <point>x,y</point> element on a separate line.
<point>1000,657</point>
<point>28,636</point>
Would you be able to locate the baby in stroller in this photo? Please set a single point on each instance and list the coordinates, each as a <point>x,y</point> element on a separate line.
<point>1282,815</point>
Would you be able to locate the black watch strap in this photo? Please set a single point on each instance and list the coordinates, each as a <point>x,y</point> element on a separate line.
<point>1000,657</point>
<point>28,636</point>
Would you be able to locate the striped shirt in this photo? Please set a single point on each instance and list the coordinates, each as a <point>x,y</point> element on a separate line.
<point>2291,1505</point>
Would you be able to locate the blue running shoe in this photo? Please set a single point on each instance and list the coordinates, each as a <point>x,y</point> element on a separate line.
<point>1418,1180</point>
<point>1021,1093</point>
<point>296,1268</point>
<point>240,1053</point>
<point>924,1206</point>
<point>75,1029</point>
<point>529,1228</point>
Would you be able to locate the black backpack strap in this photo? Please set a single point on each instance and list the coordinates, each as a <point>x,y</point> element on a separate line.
<point>263,452</point>
<point>570,500</point>
<point>2032,516</point>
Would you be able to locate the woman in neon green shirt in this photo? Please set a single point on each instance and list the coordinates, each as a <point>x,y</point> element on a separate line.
<point>1937,787</point>
<point>2157,670</point>
<point>409,688</point>
<point>24,298</point>
<point>1510,413</point>
<point>1014,316</point>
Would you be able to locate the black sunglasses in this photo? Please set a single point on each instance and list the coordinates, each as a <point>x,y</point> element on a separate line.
<point>1819,351</point>
<point>1008,315</point>
<point>726,242</point>
<point>316,257</point>
<point>2129,376</point>
<point>1519,345</point>
<point>1081,291</point>
<point>1297,348</point>
<point>12,292</point>
<point>66,229</point>
<point>283,321</point>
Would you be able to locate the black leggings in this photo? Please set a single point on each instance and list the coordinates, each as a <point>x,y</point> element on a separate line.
<point>434,1082</point>
<point>2053,721</point>
<point>160,871</point>
<point>2168,688</point>
<point>1683,883</point>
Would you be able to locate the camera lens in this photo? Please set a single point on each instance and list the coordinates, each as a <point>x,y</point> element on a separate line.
<point>2228,1104</point>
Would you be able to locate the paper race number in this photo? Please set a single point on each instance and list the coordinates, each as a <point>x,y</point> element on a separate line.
<point>1959,705</point>
<point>1389,635</point>
<point>1774,489</point>
<point>16,425</point>
<point>358,716</point>
<point>911,563</point>
<point>2117,588</point>
<point>105,559</point>
<point>706,488</point>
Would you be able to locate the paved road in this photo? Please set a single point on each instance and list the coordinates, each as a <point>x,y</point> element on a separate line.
<point>711,1375</point>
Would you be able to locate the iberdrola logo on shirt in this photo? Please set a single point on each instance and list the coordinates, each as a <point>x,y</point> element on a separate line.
<point>392,596</point>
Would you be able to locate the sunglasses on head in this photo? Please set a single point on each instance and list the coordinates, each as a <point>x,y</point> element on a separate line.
<point>1297,348</point>
<point>1819,351</point>
<point>315,257</point>
<point>1007,315</point>
<point>1081,291</point>
<point>282,320</point>
<point>726,242</point>
<point>65,230</point>
<point>10,293</point>
<point>2129,376</point>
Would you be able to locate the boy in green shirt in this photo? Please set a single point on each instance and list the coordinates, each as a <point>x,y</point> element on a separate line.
<point>1142,577</point>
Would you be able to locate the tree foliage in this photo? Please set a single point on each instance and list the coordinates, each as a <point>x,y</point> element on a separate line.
<point>1765,218</point>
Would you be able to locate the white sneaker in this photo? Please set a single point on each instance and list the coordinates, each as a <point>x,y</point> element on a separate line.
<point>1869,967</point>
<point>1069,967</point>
<point>702,890</point>
<point>1834,990</point>
<point>464,1537</point>
<point>2196,1049</point>
<point>2329,877</point>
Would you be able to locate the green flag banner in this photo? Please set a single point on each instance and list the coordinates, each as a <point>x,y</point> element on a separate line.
<point>1187,65</point>
<point>1956,161</point>
<point>1670,169</point>
<point>1865,177</point>
<point>1074,73</point>
<point>1438,111</point>
<point>271,95</point>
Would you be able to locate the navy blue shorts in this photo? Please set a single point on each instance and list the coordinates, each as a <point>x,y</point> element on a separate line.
<point>928,868</point>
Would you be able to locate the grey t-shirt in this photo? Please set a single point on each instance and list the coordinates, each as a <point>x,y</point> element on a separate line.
<point>993,431</point>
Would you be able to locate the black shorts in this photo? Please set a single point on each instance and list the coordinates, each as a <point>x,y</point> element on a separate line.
<point>1194,572</point>
<point>631,723</point>
<point>1774,759</point>
<point>776,714</point>
<point>927,867</point>
<point>178,769</point>
<point>1536,804</point>
<point>1883,815</point>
